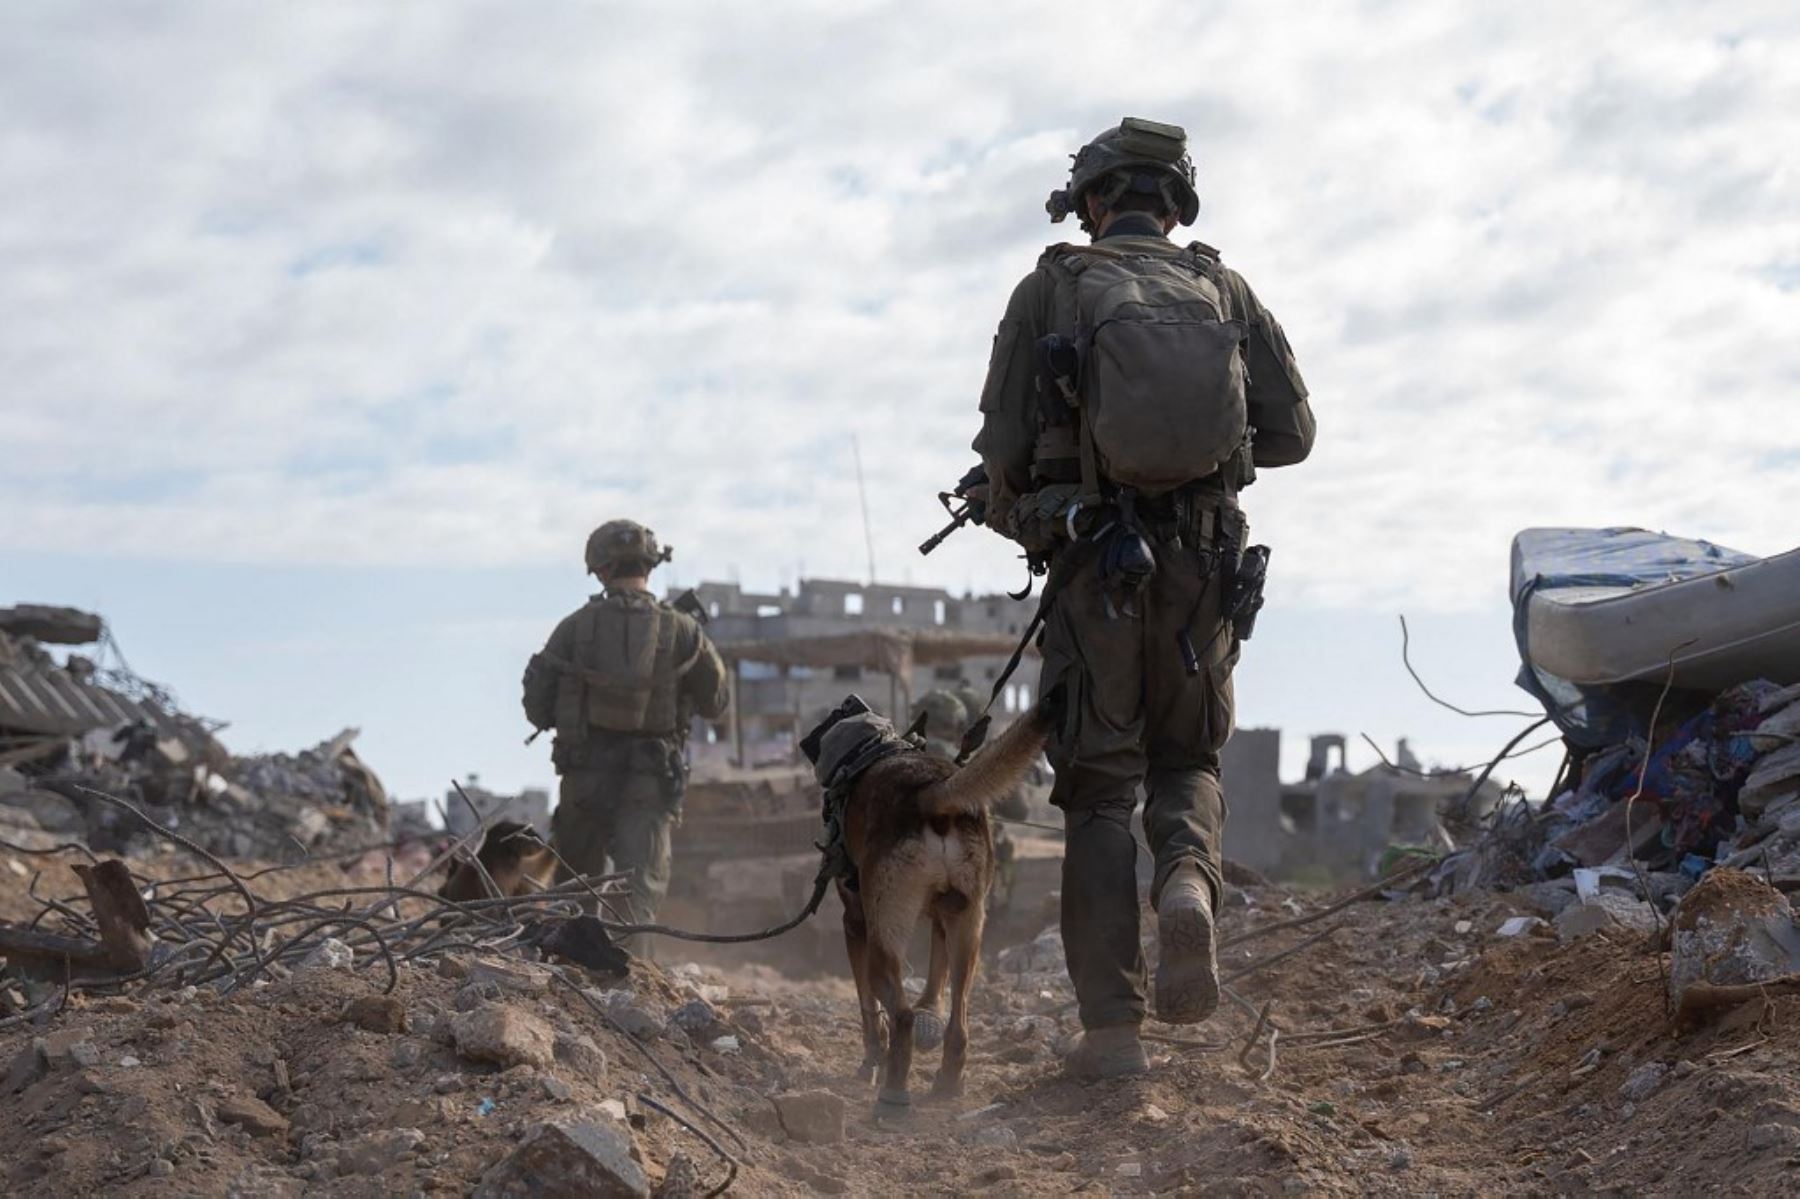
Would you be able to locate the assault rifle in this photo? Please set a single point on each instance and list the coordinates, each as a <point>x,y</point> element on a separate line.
<point>966,503</point>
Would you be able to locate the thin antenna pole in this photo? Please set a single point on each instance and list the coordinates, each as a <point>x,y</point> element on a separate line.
<point>863,495</point>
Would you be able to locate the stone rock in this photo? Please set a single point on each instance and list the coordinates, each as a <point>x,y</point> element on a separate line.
<point>695,1016</point>
<point>1547,899</point>
<point>253,1114</point>
<point>681,1179</point>
<point>504,1035</point>
<point>1608,911</point>
<point>375,1152</point>
<point>582,1157</point>
<point>332,954</point>
<point>1732,928</point>
<point>1518,926</point>
<point>408,1054</point>
<point>11,781</point>
<point>630,1015</point>
<point>1643,1082</point>
<point>1771,1136</point>
<point>377,1013</point>
<point>579,1051</point>
<point>26,1067</point>
<point>51,812</point>
<point>997,1136</point>
<point>816,1117</point>
<point>516,977</point>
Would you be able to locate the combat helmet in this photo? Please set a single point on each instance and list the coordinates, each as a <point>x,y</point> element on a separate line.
<point>621,541</point>
<point>1135,155</point>
<point>944,712</point>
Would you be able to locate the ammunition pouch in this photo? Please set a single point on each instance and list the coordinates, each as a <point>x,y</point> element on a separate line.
<point>1041,519</point>
<point>618,754</point>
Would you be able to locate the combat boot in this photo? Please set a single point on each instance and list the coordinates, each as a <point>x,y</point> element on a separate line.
<point>1113,1052</point>
<point>1187,967</point>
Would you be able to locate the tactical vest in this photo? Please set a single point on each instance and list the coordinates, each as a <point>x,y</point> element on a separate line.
<point>625,669</point>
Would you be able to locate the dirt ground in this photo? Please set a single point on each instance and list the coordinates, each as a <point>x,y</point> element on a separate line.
<point>1463,1063</point>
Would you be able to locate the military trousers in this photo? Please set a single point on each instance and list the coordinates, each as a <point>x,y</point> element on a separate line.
<point>1135,719</point>
<point>623,815</point>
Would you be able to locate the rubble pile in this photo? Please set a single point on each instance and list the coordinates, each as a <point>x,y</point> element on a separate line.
<point>1644,819</point>
<point>71,728</point>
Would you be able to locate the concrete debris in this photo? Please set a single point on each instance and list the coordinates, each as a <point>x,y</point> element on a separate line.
<point>504,1035</point>
<point>378,1151</point>
<point>582,1157</point>
<point>377,1013</point>
<point>253,1114</point>
<point>815,1117</point>
<point>1732,929</point>
<point>1607,912</point>
<point>1645,819</point>
<point>76,725</point>
<point>1518,926</point>
<point>1643,1082</point>
<point>332,954</point>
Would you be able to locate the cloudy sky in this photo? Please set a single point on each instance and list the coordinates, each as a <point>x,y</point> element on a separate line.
<point>327,331</point>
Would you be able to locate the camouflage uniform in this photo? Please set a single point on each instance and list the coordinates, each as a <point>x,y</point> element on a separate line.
<point>1136,717</point>
<point>619,680</point>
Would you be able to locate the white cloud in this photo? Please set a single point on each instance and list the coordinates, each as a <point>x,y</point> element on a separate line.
<point>454,282</point>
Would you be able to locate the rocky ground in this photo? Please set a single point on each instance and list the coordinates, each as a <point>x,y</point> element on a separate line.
<point>1418,1050</point>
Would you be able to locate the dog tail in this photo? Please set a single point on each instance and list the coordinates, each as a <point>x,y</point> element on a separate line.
<point>997,767</point>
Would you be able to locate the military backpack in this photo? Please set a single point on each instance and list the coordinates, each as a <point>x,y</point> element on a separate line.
<point>1161,386</point>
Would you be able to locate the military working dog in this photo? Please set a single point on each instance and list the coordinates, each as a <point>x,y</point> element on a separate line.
<point>919,838</point>
<point>513,856</point>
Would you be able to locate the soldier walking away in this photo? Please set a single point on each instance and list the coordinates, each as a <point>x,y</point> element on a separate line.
<point>620,680</point>
<point>1134,388</point>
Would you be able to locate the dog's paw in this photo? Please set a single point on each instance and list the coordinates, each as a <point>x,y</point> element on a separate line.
<point>928,1031</point>
<point>892,1107</point>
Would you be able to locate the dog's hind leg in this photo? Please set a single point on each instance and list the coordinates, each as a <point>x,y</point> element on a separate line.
<point>856,944</point>
<point>885,970</point>
<point>928,1023</point>
<point>963,941</point>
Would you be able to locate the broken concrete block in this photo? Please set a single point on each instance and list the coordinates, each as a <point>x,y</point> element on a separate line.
<point>1603,838</point>
<point>377,1013</point>
<point>26,1067</point>
<point>375,1152</point>
<point>506,1036</point>
<point>578,1050</point>
<point>580,1157</point>
<point>48,810</point>
<point>816,1117</point>
<point>332,954</point>
<point>252,1113</point>
<point>1731,929</point>
<point>1608,911</point>
<point>1643,1082</point>
<point>630,1015</point>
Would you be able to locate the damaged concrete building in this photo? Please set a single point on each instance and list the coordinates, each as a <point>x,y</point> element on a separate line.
<point>87,723</point>
<point>930,639</point>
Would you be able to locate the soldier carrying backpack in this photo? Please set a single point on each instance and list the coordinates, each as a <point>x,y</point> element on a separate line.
<point>1134,388</point>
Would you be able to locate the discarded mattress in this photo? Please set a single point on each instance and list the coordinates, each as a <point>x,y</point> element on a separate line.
<point>1597,608</point>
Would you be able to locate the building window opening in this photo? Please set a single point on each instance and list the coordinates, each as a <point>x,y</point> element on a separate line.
<point>899,606</point>
<point>767,610</point>
<point>713,608</point>
<point>853,603</point>
<point>937,612</point>
<point>847,671</point>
